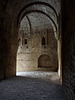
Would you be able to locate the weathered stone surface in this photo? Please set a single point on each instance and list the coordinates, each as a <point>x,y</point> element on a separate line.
<point>28,55</point>
<point>11,12</point>
<point>68,47</point>
<point>32,86</point>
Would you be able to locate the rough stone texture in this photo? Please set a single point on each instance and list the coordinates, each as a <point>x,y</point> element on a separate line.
<point>32,87</point>
<point>45,75</point>
<point>5,39</point>
<point>29,54</point>
<point>68,48</point>
<point>9,13</point>
<point>18,5</point>
<point>18,12</point>
<point>10,10</point>
<point>8,45</point>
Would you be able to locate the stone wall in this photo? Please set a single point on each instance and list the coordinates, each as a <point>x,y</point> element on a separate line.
<point>4,49</point>
<point>9,31</point>
<point>28,54</point>
<point>8,45</point>
<point>68,48</point>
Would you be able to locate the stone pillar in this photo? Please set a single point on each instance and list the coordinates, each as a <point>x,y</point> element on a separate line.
<point>12,47</point>
<point>11,61</point>
<point>68,48</point>
<point>60,57</point>
<point>3,51</point>
<point>8,46</point>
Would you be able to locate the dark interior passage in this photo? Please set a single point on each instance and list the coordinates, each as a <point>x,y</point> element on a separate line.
<point>59,17</point>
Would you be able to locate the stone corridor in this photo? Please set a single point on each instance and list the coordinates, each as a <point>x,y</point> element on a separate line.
<point>32,86</point>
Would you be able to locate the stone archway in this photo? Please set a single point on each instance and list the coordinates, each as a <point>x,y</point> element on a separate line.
<point>44,61</point>
<point>13,44</point>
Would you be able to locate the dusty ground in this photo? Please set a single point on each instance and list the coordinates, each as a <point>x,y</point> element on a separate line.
<point>32,86</point>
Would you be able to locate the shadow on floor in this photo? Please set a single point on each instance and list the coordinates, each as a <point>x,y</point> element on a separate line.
<point>26,88</point>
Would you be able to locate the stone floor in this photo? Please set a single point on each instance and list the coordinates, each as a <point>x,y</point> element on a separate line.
<point>32,86</point>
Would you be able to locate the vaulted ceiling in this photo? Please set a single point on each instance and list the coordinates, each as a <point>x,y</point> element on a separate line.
<point>35,12</point>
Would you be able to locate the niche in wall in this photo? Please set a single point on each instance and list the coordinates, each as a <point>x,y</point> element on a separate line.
<point>25,41</point>
<point>43,41</point>
<point>44,61</point>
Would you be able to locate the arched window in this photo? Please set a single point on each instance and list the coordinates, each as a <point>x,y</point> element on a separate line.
<point>43,41</point>
<point>25,41</point>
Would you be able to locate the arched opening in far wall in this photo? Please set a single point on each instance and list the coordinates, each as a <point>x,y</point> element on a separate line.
<point>37,38</point>
<point>45,61</point>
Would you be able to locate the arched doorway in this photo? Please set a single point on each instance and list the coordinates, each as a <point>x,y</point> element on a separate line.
<point>44,61</point>
<point>36,26</point>
<point>37,38</point>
